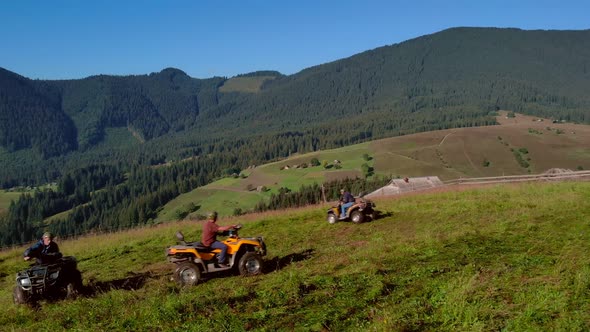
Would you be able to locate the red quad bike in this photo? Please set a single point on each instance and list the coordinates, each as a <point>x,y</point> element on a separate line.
<point>192,260</point>
<point>362,210</point>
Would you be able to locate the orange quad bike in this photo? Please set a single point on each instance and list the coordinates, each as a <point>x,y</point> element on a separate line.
<point>193,260</point>
<point>362,210</point>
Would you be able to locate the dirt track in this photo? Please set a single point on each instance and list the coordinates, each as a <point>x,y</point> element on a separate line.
<point>493,181</point>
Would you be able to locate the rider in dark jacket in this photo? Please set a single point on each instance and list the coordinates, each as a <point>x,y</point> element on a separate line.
<point>45,251</point>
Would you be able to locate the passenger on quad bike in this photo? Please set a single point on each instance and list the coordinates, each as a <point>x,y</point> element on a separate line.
<point>209,237</point>
<point>46,251</point>
<point>346,201</point>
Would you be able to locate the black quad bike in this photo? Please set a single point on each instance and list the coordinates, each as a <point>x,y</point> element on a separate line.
<point>48,281</point>
<point>362,210</point>
<point>192,260</point>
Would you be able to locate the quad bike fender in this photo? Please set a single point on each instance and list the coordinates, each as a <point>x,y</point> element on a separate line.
<point>335,210</point>
<point>360,206</point>
<point>200,263</point>
<point>181,253</point>
<point>245,248</point>
<point>235,245</point>
<point>193,259</point>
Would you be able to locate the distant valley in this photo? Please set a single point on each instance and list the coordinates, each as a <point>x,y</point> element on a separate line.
<point>116,150</point>
<point>453,78</point>
<point>519,145</point>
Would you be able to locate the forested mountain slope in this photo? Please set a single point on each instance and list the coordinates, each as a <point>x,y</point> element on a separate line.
<point>456,73</point>
<point>31,117</point>
<point>448,79</point>
<point>136,142</point>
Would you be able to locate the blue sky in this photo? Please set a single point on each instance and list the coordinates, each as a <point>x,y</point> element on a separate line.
<point>61,39</point>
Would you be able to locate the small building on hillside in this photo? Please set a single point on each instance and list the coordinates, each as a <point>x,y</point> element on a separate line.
<point>400,186</point>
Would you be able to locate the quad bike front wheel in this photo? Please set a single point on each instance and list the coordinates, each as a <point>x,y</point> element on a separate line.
<point>74,286</point>
<point>71,291</point>
<point>332,218</point>
<point>357,217</point>
<point>187,274</point>
<point>250,264</point>
<point>20,296</point>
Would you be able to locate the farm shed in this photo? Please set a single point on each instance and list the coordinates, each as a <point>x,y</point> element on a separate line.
<point>399,186</point>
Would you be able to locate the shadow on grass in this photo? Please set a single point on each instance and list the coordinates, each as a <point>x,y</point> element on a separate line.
<point>137,280</point>
<point>278,263</point>
<point>133,282</point>
<point>92,289</point>
<point>274,264</point>
<point>381,215</point>
<point>378,215</point>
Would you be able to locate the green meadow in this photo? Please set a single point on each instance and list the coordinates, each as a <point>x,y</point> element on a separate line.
<point>506,257</point>
<point>227,194</point>
<point>244,84</point>
<point>6,197</point>
<point>449,154</point>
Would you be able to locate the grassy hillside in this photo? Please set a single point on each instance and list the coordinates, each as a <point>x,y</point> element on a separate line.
<point>227,194</point>
<point>463,152</point>
<point>244,84</point>
<point>502,257</point>
<point>448,154</point>
<point>6,197</point>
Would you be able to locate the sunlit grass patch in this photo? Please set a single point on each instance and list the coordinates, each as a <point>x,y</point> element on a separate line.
<point>496,258</point>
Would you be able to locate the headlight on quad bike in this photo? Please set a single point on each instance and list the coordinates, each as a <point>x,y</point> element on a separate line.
<point>54,275</point>
<point>26,282</point>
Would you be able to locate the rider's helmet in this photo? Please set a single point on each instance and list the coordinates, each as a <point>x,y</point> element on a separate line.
<point>212,215</point>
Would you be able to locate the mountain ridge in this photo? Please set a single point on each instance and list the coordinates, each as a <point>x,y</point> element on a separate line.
<point>451,78</point>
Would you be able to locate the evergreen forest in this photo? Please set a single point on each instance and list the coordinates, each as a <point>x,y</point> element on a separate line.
<point>119,147</point>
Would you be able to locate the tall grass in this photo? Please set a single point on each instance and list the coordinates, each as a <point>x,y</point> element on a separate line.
<point>502,258</point>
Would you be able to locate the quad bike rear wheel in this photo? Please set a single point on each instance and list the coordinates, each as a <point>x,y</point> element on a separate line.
<point>357,217</point>
<point>20,296</point>
<point>374,215</point>
<point>187,274</point>
<point>250,264</point>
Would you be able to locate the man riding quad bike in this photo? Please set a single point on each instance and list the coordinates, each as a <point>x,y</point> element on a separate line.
<point>48,281</point>
<point>51,277</point>
<point>358,211</point>
<point>192,259</point>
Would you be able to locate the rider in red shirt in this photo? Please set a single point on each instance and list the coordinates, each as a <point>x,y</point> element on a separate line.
<point>209,236</point>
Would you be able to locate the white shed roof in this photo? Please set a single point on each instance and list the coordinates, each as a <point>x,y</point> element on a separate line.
<point>398,186</point>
